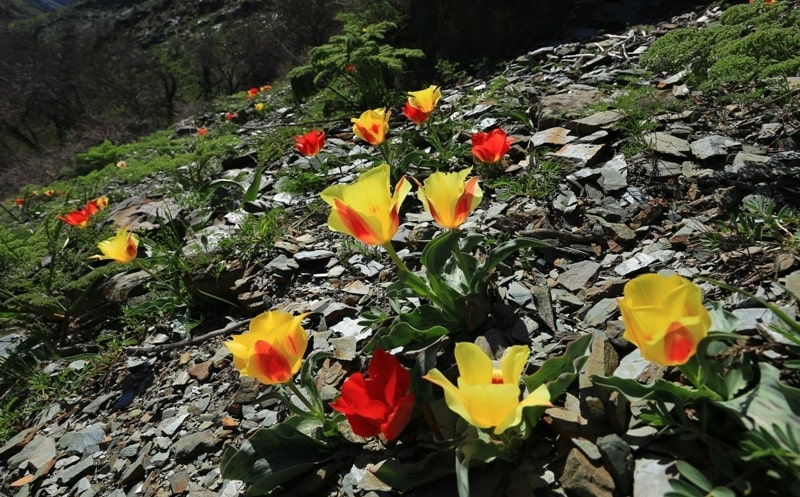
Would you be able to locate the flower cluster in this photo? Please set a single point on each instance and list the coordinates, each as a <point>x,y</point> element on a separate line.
<point>80,217</point>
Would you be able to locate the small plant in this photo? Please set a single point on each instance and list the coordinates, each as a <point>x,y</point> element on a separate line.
<point>758,223</point>
<point>353,70</point>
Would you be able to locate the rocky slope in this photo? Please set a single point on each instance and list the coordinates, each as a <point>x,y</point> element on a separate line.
<point>160,428</point>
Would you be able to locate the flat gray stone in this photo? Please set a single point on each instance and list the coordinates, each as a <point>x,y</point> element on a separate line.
<point>578,275</point>
<point>38,452</point>
<point>713,146</point>
<point>651,478</point>
<point>665,143</point>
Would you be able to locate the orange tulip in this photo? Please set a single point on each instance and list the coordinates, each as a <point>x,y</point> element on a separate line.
<point>272,351</point>
<point>366,209</point>
<point>490,148</point>
<point>310,143</point>
<point>372,125</point>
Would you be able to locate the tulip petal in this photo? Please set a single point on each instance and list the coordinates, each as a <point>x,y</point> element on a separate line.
<point>513,363</point>
<point>474,366</point>
<point>452,395</point>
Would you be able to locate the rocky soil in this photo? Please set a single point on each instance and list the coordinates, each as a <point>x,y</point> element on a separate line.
<point>159,428</point>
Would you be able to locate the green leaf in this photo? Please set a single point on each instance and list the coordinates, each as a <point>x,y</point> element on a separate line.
<point>685,489</point>
<point>462,473</point>
<point>407,475</point>
<point>660,389</point>
<point>570,362</point>
<point>436,253</point>
<point>693,475</point>
<point>252,191</point>
<point>501,253</point>
<point>273,456</point>
<point>721,492</point>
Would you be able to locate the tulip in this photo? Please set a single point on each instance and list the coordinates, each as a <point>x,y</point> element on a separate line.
<point>78,218</point>
<point>664,317</point>
<point>230,116</point>
<point>489,148</point>
<point>272,351</point>
<point>100,202</point>
<point>48,193</point>
<point>121,248</point>
<point>349,68</point>
<point>121,164</point>
<point>310,143</point>
<point>381,403</point>
<point>252,92</point>
<point>414,114</point>
<point>448,199</point>
<point>266,87</point>
<point>366,209</point>
<point>19,202</point>
<point>485,396</point>
<point>425,100</point>
<point>202,132</point>
<point>372,125</point>
<point>259,106</point>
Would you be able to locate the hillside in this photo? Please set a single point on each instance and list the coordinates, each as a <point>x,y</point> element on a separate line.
<point>570,272</point>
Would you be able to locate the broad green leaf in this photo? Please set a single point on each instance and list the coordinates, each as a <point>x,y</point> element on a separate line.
<point>661,389</point>
<point>273,456</point>
<point>501,253</point>
<point>570,362</point>
<point>404,333</point>
<point>693,475</point>
<point>403,476</point>
<point>721,492</point>
<point>252,191</point>
<point>436,253</point>
<point>685,489</point>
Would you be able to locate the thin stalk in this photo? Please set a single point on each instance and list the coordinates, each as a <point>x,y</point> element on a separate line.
<point>300,395</point>
<point>139,264</point>
<point>400,264</point>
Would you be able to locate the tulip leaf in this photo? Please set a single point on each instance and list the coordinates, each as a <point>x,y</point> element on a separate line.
<point>404,333</point>
<point>252,191</point>
<point>661,389</point>
<point>275,455</point>
<point>570,362</point>
<point>403,476</point>
<point>436,253</point>
<point>499,254</point>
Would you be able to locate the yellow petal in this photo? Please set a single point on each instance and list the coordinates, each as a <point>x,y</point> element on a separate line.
<point>513,363</point>
<point>539,397</point>
<point>488,405</point>
<point>452,395</point>
<point>425,100</point>
<point>474,366</point>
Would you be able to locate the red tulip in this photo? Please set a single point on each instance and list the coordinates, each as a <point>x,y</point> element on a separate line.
<point>19,202</point>
<point>252,92</point>
<point>490,148</point>
<point>79,218</point>
<point>310,143</point>
<point>381,403</point>
<point>202,132</point>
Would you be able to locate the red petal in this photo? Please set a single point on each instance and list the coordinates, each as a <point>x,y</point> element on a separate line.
<point>271,362</point>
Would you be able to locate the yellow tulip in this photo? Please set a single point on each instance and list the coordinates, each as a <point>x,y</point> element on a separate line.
<point>372,125</point>
<point>272,351</point>
<point>121,248</point>
<point>448,198</point>
<point>366,209</point>
<point>664,317</point>
<point>487,397</point>
<point>425,100</point>
<point>259,106</point>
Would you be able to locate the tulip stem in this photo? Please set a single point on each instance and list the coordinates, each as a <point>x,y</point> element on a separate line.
<point>141,266</point>
<point>400,264</point>
<point>300,395</point>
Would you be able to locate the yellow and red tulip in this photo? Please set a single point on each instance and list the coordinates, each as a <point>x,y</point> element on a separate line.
<point>367,209</point>
<point>449,198</point>
<point>488,397</point>
<point>122,248</point>
<point>664,317</point>
<point>272,351</point>
<point>372,125</point>
<point>425,100</point>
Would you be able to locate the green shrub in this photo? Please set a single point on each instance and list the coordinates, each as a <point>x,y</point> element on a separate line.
<point>751,42</point>
<point>354,71</point>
